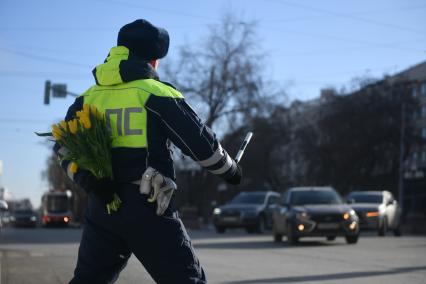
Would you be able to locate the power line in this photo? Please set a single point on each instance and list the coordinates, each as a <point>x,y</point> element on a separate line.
<point>79,29</point>
<point>155,9</point>
<point>348,16</point>
<point>303,18</point>
<point>28,74</point>
<point>322,36</point>
<point>23,120</point>
<point>43,58</point>
<point>385,45</point>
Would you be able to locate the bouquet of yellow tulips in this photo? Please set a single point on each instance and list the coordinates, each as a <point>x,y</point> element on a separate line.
<point>88,142</point>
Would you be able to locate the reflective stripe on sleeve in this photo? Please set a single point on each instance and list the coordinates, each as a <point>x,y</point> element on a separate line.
<point>213,159</point>
<point>225,167</point>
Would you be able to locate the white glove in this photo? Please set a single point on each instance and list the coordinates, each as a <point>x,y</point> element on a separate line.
<point>158,187</point>
<point>145,185</point>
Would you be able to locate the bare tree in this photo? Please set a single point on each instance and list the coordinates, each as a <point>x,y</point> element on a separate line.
<point>223,73</point>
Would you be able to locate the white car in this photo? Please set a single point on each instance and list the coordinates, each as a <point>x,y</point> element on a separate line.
<point>377,210</point>
<point>3,208</point>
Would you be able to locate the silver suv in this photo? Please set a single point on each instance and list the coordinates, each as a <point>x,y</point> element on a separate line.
<point>377,210</point>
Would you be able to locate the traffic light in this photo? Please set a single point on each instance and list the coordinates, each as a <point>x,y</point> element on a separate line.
<point>59,90</point>
<point>47,86</point>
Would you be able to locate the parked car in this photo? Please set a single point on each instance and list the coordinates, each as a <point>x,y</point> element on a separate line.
<point>23,218</point>
<point>249,210</point>
<point>377,210</point>
<point>314,211</point>
<point>3,211</point>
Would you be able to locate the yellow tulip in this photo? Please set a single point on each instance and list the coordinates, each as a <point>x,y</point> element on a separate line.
<point>73,126</point>
<point>85,121</point>
<point>73,167</point>
<point>79,114</point>
<point>56,132</point>
<point>63,124</point>
<point>86,109</point>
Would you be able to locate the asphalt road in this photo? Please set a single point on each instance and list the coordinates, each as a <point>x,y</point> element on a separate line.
<point>49,255</point>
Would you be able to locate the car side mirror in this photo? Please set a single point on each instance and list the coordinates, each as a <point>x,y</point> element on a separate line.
<point>272,205</point>
<point>350,201</point>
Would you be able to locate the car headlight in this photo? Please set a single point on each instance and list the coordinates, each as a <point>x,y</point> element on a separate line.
<point>217,211</point>
<point>349,214</point>
<point>33,218</point>
<point>303,216</point>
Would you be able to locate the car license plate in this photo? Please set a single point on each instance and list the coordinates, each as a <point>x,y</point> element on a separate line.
<point>230,219</point>
<point>328,226</point>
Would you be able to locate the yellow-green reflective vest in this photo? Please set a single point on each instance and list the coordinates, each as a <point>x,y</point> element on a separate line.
<point>124,108</point>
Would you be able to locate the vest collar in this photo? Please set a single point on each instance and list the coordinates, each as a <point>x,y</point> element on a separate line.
<point>121,66</point>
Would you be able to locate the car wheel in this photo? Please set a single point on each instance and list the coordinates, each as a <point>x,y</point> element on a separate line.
<point>397,231</point>
<point>261,225</point>
<point>352,239</point>
<point>250,230</point>
<point>291,238</point>
<point>331,238</point>
<point>383,227</point>
<point>220,229</point>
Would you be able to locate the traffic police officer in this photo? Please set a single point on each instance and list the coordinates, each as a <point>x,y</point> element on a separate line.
<point>143,114</point>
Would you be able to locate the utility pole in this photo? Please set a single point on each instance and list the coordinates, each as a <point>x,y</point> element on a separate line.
<point>401,161</point>
<point>55,91</point>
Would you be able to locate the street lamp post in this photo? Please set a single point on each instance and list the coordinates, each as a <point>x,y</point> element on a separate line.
<point>401,161</point>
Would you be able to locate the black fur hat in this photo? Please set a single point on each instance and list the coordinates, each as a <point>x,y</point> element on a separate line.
<point>144,39</point>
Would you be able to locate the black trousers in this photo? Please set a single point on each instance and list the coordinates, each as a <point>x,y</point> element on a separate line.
<point>160,243</point>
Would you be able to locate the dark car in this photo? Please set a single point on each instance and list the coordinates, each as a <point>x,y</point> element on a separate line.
<point>23,218</point>
<point>249,210</point>
<point>313,212</point>
<point>377,210</point>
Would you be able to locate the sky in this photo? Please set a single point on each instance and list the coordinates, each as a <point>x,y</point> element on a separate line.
<point>308,45</point>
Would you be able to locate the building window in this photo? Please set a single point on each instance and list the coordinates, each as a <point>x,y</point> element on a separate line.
<point>424,132</point>
<point>424,156</point>
<point>414,91</point>
<point>414,156</point>
<point>423,111</point>
<point>423,89</point>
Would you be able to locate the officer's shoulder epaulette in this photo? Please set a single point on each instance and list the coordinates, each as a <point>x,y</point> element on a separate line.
<point>158,88</point>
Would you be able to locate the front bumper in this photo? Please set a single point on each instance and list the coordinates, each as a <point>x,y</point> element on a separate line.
<point>309,228</point>
<point>236,221</point>
<point>24,223</point>
<point>56,220</point>
<point>368,223</point>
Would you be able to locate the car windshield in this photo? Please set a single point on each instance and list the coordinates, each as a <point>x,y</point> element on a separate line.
<point>366,198</point>
<point>249,198</point>
<point>315,197</point>
<point>24,212</point>
<point>57,204</point>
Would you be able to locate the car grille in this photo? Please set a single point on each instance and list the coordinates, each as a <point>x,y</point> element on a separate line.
<point>231,213</point>
<point>327,218</point>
